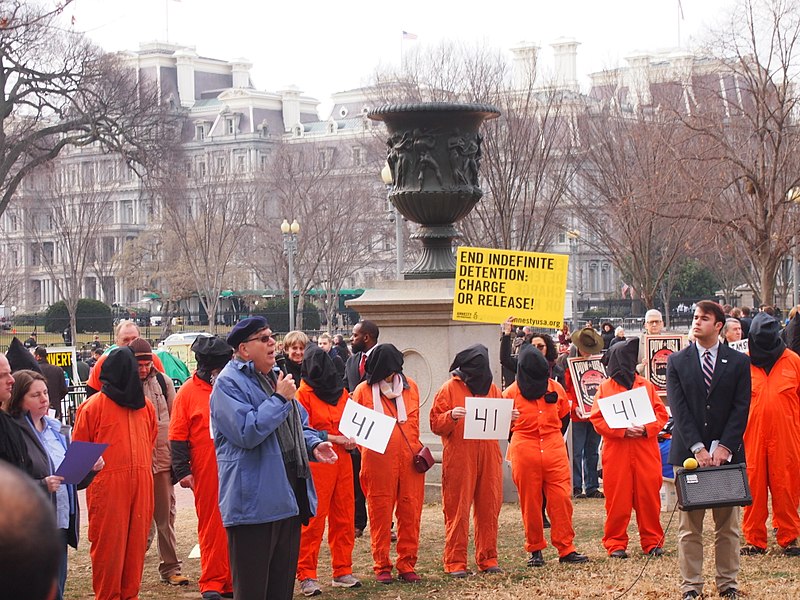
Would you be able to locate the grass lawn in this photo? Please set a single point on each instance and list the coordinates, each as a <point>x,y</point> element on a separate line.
<point>770,576</point>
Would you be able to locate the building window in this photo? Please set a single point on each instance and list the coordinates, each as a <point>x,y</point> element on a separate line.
<point>358,158</point>
<point>36,291</point>
<point>127,212</point>
<point>230,125</point>
<point>49,252</point>
<point>201,169</point>
<point>240,163</point>
<point>199,132</point>
<point>562,238</point>
<point>107,248</point>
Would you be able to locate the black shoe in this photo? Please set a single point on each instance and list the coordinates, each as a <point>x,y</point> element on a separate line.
<point>656,552</point>
<point>752,551</point>
<point>691,594</point>
<point>536,559</point>
<point>211,595</point>
<point>619,554</point>
<point>791,550</point>
<point>595,494</point>
<point>573,558</point>
<point>731,594</point>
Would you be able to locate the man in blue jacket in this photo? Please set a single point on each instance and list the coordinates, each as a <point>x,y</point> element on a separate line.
<point>263,445</point>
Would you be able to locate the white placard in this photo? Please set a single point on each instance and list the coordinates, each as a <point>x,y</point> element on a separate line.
<point>742,346</point>
<point>370,428</point>
<point>631,407</point>
<point>487,418</point>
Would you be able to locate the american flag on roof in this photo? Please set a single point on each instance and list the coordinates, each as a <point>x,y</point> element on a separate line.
<point>409,36</point>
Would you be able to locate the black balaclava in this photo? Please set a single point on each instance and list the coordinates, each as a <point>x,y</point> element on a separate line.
<point>212,353</point>
<point>120,378</point>
<point>621,360</point>
<point>533,372</point>
<point>764,341</point>
<point>384,360</point>
<point>319,372</point>
<point>472,366</point>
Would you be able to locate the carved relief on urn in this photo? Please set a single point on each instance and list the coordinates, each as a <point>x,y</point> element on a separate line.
<point>434,156</point>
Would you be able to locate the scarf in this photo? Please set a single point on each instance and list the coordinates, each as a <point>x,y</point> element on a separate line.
<point>764,341</point>
<point>290,433</point>
<point>620,362</point>
<point>319,372</point>
<point>119,376</point>
<point>533,372</point>
<point>393,391</point>
<point>471,365</point>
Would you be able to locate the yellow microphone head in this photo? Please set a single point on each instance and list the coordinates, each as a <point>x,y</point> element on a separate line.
<point>690,463</point>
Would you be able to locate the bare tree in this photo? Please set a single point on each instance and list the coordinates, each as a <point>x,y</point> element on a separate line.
<point>745,113</point>
<point>208,214</point>
<point>10,281</point>
<point>631,166</point>
<point>63,219</point>
<point>528,152</point>
<point>58,90</point>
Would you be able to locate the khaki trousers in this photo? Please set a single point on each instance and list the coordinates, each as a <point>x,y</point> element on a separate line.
<point>726,548</point>
<point>164,525</point>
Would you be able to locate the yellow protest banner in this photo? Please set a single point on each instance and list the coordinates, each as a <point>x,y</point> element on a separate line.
<point>492,285</point>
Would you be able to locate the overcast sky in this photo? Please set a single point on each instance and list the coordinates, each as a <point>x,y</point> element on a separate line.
<point>327,46</point>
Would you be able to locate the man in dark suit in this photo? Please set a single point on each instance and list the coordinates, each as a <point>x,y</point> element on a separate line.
<point>365,338</point>
<point>708,387</point>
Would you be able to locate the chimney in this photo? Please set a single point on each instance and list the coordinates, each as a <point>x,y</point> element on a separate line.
<point>524,67</point>
<point>290,99</point>
<point>565,58</point>
<point>184,60</point>
<point>240,71</point>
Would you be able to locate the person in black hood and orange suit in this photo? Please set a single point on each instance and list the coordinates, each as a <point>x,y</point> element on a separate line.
<point>472,470</point>
<point>772,439</point>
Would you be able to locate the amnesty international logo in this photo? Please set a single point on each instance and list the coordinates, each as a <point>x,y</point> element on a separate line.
<point>493,284</point>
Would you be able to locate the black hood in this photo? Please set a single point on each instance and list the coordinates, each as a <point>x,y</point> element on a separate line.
<point>319,372</point>
<point>20,358</point>
<point>764,341</point>
<point>120,378</point>
<point>384,360</point>
<point>620,362</point>
<point>472,366</point>
<point>533,372</point>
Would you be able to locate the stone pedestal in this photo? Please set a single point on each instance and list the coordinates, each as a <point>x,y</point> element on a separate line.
<point>415,316</point>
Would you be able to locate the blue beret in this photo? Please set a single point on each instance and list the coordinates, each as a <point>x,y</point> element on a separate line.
<point>244,329</point>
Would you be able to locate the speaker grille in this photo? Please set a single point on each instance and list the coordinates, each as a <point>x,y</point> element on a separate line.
<point>711,487</point>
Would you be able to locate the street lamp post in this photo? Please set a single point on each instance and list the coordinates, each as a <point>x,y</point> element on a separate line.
<point>396,218</point>
<point>290,250</point>
<point>573,235</point>
<point>793,195</point>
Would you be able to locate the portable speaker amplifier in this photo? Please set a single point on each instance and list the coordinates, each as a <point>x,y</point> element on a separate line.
<point>710,487</point>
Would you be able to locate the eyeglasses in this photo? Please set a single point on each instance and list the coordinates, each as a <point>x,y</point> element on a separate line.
<point>264,339</point>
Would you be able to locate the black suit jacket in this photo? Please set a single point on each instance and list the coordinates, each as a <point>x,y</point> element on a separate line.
<point>351,375</point>
<point>719,415</point>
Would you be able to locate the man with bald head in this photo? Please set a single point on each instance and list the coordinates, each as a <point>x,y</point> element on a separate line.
<point>124,333</point>
<point>30,544</point>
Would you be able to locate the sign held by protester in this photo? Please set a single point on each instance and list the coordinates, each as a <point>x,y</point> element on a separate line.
<point>657,349</point>
<point>492,284</point>
<point>631,407</point>
<point>742,346</point>
<point>587,374</point>
<point>370,428</point>
<point>487,418</point>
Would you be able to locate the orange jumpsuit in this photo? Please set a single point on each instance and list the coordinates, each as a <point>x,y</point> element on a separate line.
<point>772,443</point>
<point>472,474</point>
<point>120,499</point>
<point>94,375</point>
<point>335,494</point>
<point>190,423</point>
<point>539,463</point>
<point>631,473</point>
<point>392,485</point>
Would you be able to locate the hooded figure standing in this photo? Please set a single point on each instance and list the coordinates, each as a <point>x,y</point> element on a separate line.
<point>194,463</point>
<point>472,470</point>
<point>631,458</point>
<point>772,439</point>
<point>322,394</point>
<point>539,460</point>
<point>120,499</point>
<point>390,482</point>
